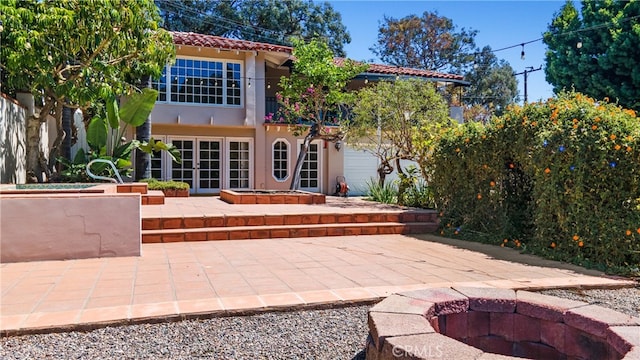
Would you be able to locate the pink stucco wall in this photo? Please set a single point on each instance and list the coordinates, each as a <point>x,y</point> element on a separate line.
<point>69,226</point>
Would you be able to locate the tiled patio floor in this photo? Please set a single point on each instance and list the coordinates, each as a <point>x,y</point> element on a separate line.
<point>182,279</point>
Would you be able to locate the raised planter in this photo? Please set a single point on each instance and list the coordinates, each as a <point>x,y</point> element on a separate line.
<point>271,197</point>
<point>176,192</point>
<point>488,323</point>
<point>169,188</point>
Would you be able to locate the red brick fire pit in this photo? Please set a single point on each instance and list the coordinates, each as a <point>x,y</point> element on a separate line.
<point>487,323</point>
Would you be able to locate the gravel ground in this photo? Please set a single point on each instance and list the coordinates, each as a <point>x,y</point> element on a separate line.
<point>338,333</point>
<point>625,300</point>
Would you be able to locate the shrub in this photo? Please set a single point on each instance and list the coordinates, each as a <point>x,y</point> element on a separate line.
<point>386,193</point>
<point>561,178</point>
<point>413,191</point>
<point>154,184</point>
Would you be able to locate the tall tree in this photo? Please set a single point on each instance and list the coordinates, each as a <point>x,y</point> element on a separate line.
<point>315,95</point>
<point>430,42</point>
<point>273,21</point>
<point>596,50</point>
<point>72,53</point>
<point>398,121</point>
<point>493,85</point>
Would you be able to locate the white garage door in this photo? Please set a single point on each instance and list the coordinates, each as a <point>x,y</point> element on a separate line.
<point>359,168</point>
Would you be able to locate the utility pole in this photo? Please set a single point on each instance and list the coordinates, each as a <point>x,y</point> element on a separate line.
<point>527,70</point>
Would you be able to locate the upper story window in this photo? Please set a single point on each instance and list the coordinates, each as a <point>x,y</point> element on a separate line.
<point>194,81</point>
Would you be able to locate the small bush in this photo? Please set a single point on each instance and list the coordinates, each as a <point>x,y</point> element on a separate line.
<point>413,191</point>
<point>386,194</point>
<point>154,184</point>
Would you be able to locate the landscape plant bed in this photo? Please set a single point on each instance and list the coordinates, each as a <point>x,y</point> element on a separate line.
<point>169,188</point>
<point>271,197</point>
<point>464,323</point>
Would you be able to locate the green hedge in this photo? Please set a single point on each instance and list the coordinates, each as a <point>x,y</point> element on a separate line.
<point>560,179</point>
<point>153,184</point>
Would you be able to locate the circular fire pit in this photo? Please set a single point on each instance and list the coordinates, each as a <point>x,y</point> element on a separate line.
<point>488,323</point>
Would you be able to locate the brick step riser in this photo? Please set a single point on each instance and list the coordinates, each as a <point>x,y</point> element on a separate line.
<point>285,232</point>
<point>279,220</point>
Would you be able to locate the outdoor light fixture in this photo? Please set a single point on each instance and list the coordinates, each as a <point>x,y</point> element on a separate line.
<point>579,45</point>
<point>338,145</point>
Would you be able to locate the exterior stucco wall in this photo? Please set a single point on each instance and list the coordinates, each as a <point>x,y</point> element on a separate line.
<point>13,143</point>
<point>76,226</point>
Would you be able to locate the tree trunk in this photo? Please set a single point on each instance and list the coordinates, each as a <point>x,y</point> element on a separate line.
<point>295,180</point>
<point>36,167</point>
<point>384,169</point>
<point>67,127</point>
<point>143,160</point>
<point>60,136</point>
<point>34,170</point>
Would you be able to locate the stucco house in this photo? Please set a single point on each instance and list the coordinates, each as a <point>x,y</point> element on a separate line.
<point>212,105</point>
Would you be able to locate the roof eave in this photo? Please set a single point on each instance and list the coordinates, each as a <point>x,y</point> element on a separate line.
<point>378,76</point>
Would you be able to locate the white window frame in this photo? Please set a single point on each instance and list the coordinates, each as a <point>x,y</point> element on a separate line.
<point>227,162</point>
<point>224,82</point>
<point>273,159</point>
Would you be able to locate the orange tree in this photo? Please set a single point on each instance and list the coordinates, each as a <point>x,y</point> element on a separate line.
<point>560,179</point>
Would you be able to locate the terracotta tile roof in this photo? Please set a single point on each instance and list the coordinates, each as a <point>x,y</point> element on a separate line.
<point>398,70</point>
<point>194,39</point>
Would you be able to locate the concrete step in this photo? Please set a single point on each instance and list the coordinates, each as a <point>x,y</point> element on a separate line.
<point>284,231</point>
<point>165,223</point>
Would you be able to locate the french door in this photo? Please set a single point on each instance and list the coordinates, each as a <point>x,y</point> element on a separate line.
<point>310,173</point>
<point>201,165</point>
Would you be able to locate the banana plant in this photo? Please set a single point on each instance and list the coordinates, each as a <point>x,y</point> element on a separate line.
<point>105,135</point>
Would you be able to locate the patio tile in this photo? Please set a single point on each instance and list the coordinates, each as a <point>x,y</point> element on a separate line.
<point>154,297</point>
<point>49,319</point>
<point>60,295</point>
<point>17,309</point>
<point>105,314</point>
<point>98,302</point>
<point>144,311</point>
<point>242,302</point>
<point>111,291</point>
<point>224,291</point>
<point>12,322</point>
<point>194,294</point>
<point>319,296</point>
<point>200,306</point>
<point>354,294</point>
<point>61,305</point>
<point>282,299</point>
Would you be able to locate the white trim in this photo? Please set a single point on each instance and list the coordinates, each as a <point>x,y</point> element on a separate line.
<point>224,82</point>
<point>227,156</point>
<point>273,168</point>
<point>320,172</point>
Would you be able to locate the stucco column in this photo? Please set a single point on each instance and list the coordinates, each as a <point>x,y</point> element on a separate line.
<point>255,111</point>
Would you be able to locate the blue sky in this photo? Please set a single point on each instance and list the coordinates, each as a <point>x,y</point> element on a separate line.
<point>499,24</point>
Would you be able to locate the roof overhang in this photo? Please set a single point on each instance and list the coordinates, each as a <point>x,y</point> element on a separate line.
<point>371,76</point>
